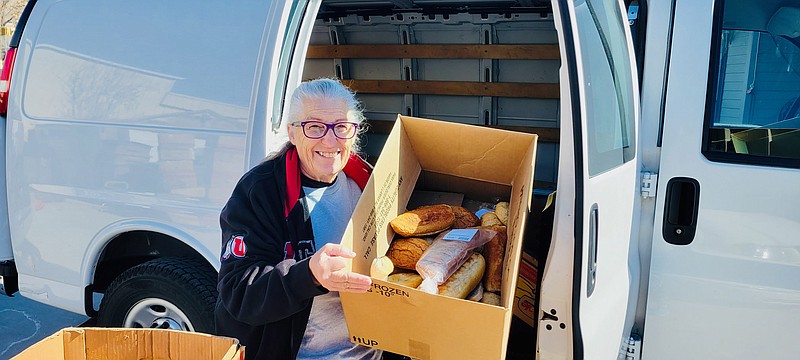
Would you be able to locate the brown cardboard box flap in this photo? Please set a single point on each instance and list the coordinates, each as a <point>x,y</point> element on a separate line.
<point>123,343</point>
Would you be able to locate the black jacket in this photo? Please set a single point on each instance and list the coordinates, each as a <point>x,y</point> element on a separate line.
<point>265,285</point>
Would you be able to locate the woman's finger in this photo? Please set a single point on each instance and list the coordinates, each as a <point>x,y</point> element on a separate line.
<point>338,250</point>
<point>335,263</point>
<point>350,281</point>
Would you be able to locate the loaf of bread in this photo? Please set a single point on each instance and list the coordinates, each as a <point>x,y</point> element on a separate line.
<point>425,220</point>
<point>501,209</point>
<point>464,218</point>
<point>490,298</point>
<point>495,251</point>
<point>465,278</point>
<point>448,252</point>
<point>409,279</point>
<point>405,252</point>
<point>490,218</point>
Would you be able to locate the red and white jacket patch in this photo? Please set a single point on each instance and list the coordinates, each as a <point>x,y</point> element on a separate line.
<point>235,247</point>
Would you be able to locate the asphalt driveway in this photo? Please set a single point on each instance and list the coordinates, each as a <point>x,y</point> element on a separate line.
<point>23,322</point>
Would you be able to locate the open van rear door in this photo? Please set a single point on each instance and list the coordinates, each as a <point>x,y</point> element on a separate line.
<point>587,281</point>
<point>725,267</point>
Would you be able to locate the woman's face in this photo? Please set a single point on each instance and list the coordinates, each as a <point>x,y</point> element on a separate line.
<point>322,159</point>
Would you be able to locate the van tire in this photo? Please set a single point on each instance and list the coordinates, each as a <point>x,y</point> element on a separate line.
<point>175,293</point>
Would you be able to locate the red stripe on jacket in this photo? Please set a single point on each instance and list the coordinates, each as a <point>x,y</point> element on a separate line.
<point>356,169</point>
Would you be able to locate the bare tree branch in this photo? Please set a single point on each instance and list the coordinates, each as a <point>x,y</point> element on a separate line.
<point>10,11</point>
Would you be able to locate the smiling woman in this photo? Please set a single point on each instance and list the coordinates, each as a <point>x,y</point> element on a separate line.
<point>287,215</point>
<point>312,96</point>
<point>322,105</point>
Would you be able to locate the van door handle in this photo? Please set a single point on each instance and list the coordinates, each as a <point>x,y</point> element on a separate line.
<point>680,210</point>
<point>591,269</point>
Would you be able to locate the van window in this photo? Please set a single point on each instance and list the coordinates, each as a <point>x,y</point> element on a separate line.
<point>753,105</point>
<point>148,73</point>
<point>607,82</point>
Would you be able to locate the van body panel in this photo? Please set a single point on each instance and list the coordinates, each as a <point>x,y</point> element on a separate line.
<point>297,26</point>
<point>6,250</point>
<point>557,272</point>
<point>155,130</point>
<point>607,169</point>
<point>101,240</point>
<point>656,56</point>
<point>52,292</point>
<point>274,79</point>
<point>738,278</point>
<point>585,288</point>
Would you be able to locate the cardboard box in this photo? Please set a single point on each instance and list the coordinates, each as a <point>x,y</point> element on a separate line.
<point>425,155</point>
<point>119,344</point>
<point>525,293</point>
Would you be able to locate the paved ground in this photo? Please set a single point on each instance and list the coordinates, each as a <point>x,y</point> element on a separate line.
<point>23,322</point>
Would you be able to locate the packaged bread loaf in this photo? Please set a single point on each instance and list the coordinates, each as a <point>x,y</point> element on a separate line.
<point>425,220</point>
<point>495,251</point>
<point>405,252</point>
<point>448,251</point>
<point>464,218</point>
<point>465,279</point>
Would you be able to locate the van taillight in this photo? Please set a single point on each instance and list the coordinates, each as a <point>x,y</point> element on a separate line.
<point>5,79</point>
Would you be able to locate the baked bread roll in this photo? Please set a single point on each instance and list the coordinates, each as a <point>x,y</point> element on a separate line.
<point>465,278</point>
<point>409,279</point>
<point>425,220</point>
<point>490,298</point>
<point>495,251</point>
<point>490,218</point>
<point>405,252</point>
<point>501,209</point>
<point>464,218</point>
<point>476,294</point>
<point>381,268</point>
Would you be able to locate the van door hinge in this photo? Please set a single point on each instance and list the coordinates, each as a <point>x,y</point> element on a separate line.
<point>649,184</point>
<point>631,348</point>
<point>633,12</point>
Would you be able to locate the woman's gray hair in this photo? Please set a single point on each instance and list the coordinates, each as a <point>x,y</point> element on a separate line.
<point>317,89</point>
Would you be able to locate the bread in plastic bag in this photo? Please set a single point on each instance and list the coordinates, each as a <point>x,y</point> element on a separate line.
<point>449,251</point>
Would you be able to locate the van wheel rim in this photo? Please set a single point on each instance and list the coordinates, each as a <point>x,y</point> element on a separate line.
<point>157,313</point>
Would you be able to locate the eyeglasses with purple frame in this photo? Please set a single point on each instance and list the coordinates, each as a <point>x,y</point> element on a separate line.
<point>313,129</point>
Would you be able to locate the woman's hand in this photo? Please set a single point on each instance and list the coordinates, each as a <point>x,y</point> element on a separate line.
<point>327,266</point>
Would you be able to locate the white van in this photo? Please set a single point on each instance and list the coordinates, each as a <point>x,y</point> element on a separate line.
<point>675,229</point>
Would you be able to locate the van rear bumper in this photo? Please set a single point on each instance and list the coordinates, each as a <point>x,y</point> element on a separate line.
<point>9,280</point>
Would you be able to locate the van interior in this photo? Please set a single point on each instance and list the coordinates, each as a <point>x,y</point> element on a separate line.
<point>489,63</point>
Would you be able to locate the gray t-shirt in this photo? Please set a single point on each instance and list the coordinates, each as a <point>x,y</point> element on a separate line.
<point>326,335</point>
